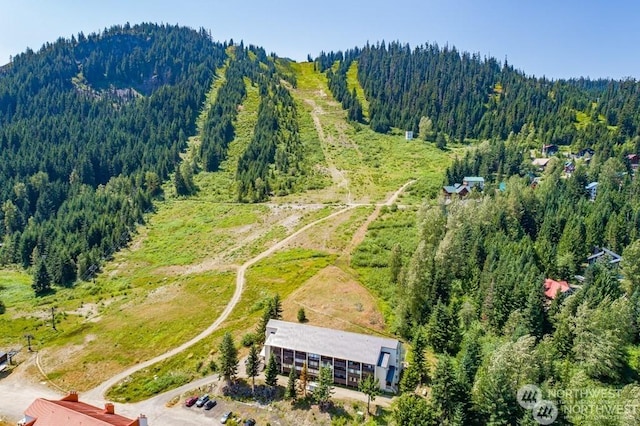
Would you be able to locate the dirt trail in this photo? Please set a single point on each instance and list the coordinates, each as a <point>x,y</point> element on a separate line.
<point>97,393</point>
<point>155,407</point>
<point>338,176</point>
<point>358,236</point>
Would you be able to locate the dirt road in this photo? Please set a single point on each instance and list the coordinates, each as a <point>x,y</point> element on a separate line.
<point>17,394</point>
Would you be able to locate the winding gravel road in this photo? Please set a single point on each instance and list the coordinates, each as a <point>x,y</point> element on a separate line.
<point>22,393</point>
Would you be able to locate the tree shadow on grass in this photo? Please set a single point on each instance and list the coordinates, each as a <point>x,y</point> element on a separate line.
<point>338,413</point>
<point>301,404</point>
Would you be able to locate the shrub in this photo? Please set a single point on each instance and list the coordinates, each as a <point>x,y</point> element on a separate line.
<point>302,316</point>
<point>248,339</point>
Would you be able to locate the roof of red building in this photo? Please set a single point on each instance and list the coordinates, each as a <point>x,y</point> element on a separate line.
<point>551,287</point>
<point>64,413</point>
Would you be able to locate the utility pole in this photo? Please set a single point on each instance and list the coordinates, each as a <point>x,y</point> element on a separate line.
<point>53,318</point>
<point>29,337</point>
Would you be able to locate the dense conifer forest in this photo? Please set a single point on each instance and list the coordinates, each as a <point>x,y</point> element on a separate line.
<point>89,128</point>
<point>470,290</point>
<point>465,96</point>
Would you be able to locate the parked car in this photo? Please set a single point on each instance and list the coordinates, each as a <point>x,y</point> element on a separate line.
<point>210,404</point>
<point>201,401</point>
<point>249,422</point>
<point>225,417</point>
<point>190,401</point>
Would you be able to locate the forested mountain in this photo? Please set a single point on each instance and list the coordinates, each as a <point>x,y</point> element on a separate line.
<point>464,96</point>
<point>89,128</point>
<point>273,163</point>
<point>471,289</point>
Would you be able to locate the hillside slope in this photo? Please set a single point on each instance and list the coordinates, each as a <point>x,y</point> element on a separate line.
<point>89,128</point>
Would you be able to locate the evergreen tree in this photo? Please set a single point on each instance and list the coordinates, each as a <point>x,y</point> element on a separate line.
<point>322,393</point>
<point>471,357</point>
<point>41,280</point>
<point>534,315</point>
<point>601,335</point>
<point>395,263</point>
<point>276,307</point>
<point>290,392</point>
<point>253,365</point>
<point>447,393</point>
<point>271,372</point>
<point>441,141</point>
<point>443,331</point>
<point>228,361</point>
<point>411,378</point>
<point>179,183</point>
<point>370,386</point>
<point>631,267</point>
<point>510,366</point>
<point>410,409</point>
<point>419,360</point>
<point>302,316</point>
<point>273,310</point>
<point>262,325</point>
<point>563,336</point>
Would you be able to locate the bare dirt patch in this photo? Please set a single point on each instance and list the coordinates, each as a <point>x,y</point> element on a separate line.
<point>89,310</point>
<point>334,299</point>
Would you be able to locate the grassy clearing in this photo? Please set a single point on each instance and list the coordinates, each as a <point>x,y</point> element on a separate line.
<point>175,279</point>
<point>334,298</point>
<point>583,120</point>
<point>371,258</point>
<point>353,83</point>
<point>131,329</point>
<point>335,235</point>
<point>186,231</point>
<point>221,185</point>
<point>280,274</point>
<point>373,164</point>
<point>17,295</point>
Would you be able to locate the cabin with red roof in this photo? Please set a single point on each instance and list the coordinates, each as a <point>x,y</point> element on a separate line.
<point>552,287</point>
<point>69,411</point>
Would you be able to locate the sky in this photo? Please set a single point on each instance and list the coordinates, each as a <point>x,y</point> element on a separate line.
<point>551,38</point>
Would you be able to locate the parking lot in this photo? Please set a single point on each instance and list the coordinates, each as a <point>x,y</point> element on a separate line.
<point>240,412</point>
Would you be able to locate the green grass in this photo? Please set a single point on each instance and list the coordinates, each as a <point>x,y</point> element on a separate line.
<point>374,164</point>
<point>371,258</point>
<point>148,321</point>
<point>28,314</point>
<point>186,231</point>
<point>280,274</point>
<point>352,82</point>
<point>583,120</point>
<point>175,278</point>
